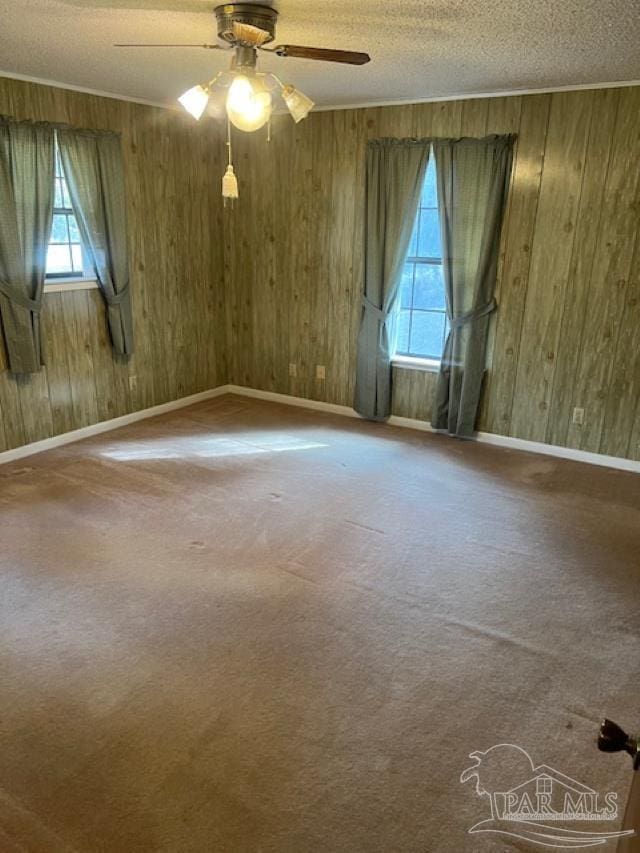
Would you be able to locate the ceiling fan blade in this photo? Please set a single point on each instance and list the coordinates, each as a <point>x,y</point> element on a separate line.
<point>250,35</point>
<point>350,57</point>
<point>206,46</point>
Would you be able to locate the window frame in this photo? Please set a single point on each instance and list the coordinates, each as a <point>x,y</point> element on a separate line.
<point>56,282</point>
<point>409,359</point>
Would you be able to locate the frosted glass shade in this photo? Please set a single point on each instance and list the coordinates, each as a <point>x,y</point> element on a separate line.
<point>298,104</point>
<point>195,101</point>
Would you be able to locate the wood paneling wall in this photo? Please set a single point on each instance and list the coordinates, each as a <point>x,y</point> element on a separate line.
<point>236,296</point>
<point>567,332</point>
<point>173,171</point>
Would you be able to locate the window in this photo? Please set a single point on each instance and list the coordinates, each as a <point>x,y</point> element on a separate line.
<point>423,323</point>
<point>65,257</point>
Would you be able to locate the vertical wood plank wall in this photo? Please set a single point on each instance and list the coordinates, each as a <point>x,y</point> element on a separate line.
<point>236,296</point>
<point>567,332</point>
<point>173,169</point>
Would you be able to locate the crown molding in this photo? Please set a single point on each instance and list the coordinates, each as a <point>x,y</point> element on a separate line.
<point>70,87</point>
<point>355,105</point>
<point>469,96</point>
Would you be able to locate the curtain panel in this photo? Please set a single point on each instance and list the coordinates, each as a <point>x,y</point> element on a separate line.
<point>93,166</point>
<point>26,211</point>
<point>395,174</point>
<point>473,179</point>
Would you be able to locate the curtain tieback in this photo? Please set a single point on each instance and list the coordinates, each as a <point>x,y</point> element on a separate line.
<point>18,298</point>
<point>475,314</point>
<point>378,312</point>
<point>119,297</point>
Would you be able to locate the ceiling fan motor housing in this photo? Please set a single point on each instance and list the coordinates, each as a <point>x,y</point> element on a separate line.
<point>263,17</point>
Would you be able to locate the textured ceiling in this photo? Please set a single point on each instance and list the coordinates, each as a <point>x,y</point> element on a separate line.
<point>420,48</point>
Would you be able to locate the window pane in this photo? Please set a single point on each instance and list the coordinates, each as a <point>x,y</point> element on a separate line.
<point>406,286</point>
<point>65,195</point>
<point>74,233</point>
<point>427,330</point>
<point>59,232</point>
<point>58,259</point>
<point>76,254</point>
<point>64,253</point>
<point>428,291</point>
<point>429,191</point>
<point>429,234</point>
<point>59,198</point>
<point>402,345</point>
<point>413,245</point>
<point>422,321</point>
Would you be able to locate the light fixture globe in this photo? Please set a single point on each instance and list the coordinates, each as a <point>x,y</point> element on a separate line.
<point>248,105</point>
<point>298,104</point>
<point>247,27</point>
<point>195,101</point>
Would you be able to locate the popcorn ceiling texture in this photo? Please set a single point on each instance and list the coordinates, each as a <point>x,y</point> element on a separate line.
<point>419,48</point>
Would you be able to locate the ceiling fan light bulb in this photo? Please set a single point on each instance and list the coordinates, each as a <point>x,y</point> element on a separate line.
<point>195,101</point>
<point>248,109</point>
<point>240,94</point>
<point>298,104</point>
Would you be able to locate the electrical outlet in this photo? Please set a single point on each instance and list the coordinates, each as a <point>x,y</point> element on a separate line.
<point>320,371</point>
<point>133,383</point>
<point>578,416</point>
<point>293,369</point>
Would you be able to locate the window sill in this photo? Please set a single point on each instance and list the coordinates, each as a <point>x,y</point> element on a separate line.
<point>429,365</point>
<point>59,285</point>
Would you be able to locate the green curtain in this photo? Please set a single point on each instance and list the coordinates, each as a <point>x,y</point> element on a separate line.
<point>473,179</point>
<point>26,211</point>
<point>92,163</point>
<point>395,174</point>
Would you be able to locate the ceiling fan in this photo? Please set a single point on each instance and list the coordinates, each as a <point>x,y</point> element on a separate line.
<point>247,28</point>
<point>251,25</point>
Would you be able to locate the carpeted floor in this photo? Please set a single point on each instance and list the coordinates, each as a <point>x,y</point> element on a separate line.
<point>247,627</point>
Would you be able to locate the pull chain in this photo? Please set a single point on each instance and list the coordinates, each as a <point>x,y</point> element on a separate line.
<point>229,180</point>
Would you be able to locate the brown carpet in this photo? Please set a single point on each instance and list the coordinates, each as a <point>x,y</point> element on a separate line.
<point>246,627</point>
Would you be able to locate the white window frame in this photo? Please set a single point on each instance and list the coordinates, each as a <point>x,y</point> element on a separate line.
<point>60,283</point>
<point>415,362</point>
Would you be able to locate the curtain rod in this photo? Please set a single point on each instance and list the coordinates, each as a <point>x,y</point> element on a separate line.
<point>7,119</point>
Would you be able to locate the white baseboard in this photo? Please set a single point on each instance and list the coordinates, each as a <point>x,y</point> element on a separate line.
<point>422,426</point>
<point>288,400</point>
<point>318,406</point>
<point>107,426</point>
<point>572,453</point>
